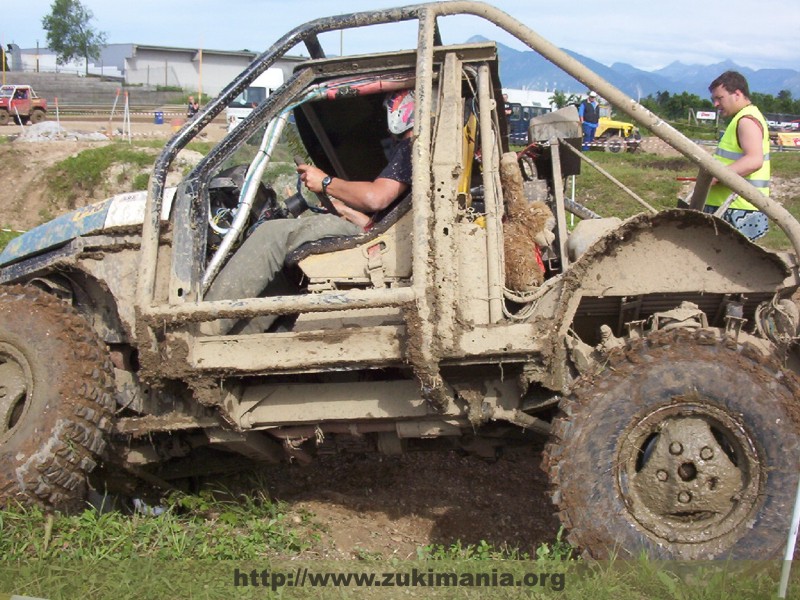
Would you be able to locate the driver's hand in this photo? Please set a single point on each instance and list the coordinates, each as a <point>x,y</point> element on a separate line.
<point>312,177</point>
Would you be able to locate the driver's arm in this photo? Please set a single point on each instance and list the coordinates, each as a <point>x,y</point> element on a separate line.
<point>366,196</point>
<point>354,216</point>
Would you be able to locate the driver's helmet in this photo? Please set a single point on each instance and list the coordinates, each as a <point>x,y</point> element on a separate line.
<point>400,111</point>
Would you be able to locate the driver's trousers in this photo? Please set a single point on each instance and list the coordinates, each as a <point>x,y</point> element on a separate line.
<point>262,255</point>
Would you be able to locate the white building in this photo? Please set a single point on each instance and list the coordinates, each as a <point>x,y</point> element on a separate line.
<point>190,69</point>
<point>529,97</point>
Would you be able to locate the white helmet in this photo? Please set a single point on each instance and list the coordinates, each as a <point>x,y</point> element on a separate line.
<point>400,111</point>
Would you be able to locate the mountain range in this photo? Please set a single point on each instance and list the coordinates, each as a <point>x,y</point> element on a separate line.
<point>528,70</point>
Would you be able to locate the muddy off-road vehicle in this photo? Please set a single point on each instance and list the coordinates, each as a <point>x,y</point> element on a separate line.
<point>654,356</point>
<point>20,103</point>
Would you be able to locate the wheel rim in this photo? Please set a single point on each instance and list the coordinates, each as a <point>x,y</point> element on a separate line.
<point>16,389</point>
<point>689,473</point>
<point>615,145</point>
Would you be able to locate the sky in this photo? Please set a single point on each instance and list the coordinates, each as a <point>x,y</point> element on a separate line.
<point>648,34</point>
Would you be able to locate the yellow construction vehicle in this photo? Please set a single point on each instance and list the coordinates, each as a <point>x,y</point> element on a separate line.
<point>616,136</point>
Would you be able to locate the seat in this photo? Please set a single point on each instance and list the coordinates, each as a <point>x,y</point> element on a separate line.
<point>379,257</point>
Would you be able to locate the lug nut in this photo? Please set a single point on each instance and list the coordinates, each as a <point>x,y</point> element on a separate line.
<point>662,475</point>
<point>675,448</point>
<point>684,497</point>
<point>706,453</point>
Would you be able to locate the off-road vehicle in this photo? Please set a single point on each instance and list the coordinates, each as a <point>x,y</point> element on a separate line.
<point>22,104</point>
<point>617,136</point>
<point>654,355</point>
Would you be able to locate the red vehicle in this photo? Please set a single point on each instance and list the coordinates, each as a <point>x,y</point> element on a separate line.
<point>22,104</point>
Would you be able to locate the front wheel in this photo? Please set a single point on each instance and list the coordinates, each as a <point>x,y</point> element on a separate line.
<point>684,446</point>
<point>56,397</point>
<point>37,116</point>
<point>616,144</point>
<point>5,117</point>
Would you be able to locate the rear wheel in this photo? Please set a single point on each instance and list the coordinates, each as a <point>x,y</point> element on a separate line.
<point>616,144</point>
<point>56,397</point>
<point>5,117</point>
<point>37,116</point>
<point>685,446</point>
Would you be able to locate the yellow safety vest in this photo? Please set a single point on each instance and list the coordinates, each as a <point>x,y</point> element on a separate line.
<point>729,151</point>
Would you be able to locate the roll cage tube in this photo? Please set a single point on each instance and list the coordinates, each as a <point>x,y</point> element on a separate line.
<point>427,14</point>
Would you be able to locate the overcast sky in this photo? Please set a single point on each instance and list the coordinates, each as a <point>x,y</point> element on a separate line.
<point>647,34</point>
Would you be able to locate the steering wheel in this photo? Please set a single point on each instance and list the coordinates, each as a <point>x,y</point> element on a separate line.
<point>323,198</point>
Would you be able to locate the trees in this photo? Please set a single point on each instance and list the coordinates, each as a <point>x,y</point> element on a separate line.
<point>560,99</point>
<point>675,106</point>
<point>70,34</point>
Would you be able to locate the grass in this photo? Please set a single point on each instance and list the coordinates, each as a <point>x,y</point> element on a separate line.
<point>81,175</point>
<point>651,177</point>
<point>193,527</point>
<point>6,235</point>
<point>207,546</point>
<point>654,179</point>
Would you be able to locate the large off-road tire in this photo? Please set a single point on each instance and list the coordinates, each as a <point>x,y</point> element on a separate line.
<point>5,117</point>
<point>56,399</point>
<point>616,144</point>
<point>37,116</point>
<point>685,445</point>
<point>528,168</point>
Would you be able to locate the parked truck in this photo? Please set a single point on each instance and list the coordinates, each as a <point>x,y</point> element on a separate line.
<point>20,103</point>
<point>252,96</point>
<point>654,357</point>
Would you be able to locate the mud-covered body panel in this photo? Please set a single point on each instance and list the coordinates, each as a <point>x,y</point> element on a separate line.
<point>121,211</point>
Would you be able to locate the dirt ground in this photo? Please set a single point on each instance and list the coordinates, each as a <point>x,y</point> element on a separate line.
<point>23,165</point>
<point>378,506</point>
<point>361,506</point>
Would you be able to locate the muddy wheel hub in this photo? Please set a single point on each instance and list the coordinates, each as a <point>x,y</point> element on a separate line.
<point>15,383</point>
<point>689,473</point>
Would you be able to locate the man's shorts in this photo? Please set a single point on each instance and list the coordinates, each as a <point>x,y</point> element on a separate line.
<point>752,223</point>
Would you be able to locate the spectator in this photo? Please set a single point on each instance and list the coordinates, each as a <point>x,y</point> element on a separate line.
<point>744,148</point>
<point>192,107</point>
<point>589,112</point>
<point>506,106</point>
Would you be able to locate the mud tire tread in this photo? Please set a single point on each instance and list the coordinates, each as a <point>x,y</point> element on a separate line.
<point>50,467</point>
<point>597,531</point>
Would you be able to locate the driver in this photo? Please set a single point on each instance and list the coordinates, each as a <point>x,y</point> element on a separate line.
<point>261,257</point>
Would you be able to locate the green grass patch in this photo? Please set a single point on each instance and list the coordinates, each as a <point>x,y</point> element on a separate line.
<point>653,178</point>
<point>82,174</point>
<point>202,526</point>
<point>6,235</point>
<point>217,545</point>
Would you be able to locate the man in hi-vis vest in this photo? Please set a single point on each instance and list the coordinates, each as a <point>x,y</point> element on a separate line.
<point>744,147</point>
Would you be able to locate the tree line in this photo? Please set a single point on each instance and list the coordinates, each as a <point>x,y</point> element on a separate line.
<point>676,106</point>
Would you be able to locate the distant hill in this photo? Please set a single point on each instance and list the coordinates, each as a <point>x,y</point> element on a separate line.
<point>527,70</point>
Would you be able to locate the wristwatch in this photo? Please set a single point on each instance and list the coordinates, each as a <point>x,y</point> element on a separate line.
<point>325,183</point>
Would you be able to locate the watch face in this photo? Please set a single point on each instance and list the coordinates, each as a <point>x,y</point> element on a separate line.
<point>326,182</point>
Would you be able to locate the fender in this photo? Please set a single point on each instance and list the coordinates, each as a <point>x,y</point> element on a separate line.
<point>668,257</point>
<point>122,210</point>
<point>675,251</point>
